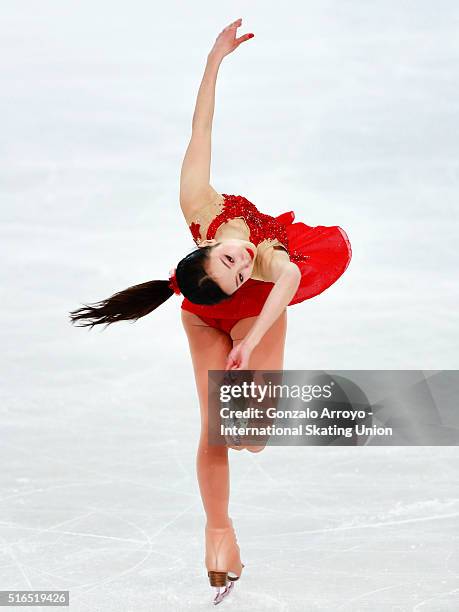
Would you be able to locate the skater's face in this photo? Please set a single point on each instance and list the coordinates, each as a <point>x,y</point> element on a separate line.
<point>230,262</point>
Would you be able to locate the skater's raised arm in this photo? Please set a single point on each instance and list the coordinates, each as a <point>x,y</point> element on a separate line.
<point>195,188</point>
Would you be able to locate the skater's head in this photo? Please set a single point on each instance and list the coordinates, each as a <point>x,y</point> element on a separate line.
<point>228,263</point>
<point>194,276</point>
<point>208,275</point>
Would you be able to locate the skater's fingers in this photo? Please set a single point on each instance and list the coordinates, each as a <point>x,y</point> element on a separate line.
<point>243,38</point>
<point>235,24</point>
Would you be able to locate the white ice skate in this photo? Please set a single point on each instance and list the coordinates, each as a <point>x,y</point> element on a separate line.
<point>222,592</point>
<point>223,560</point>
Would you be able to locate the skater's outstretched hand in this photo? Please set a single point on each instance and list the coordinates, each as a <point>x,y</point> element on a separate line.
<point>226,42</point>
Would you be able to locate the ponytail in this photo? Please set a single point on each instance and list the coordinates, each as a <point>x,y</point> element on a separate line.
<point>130,304</point>
<point>189,279</point>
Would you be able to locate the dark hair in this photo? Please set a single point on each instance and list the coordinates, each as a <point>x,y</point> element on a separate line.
<point>139,300</point>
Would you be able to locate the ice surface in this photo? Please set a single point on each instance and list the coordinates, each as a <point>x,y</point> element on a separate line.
<point>344,112</point>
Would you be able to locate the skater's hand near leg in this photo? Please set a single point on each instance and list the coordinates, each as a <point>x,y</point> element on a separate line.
<point>238,358</point>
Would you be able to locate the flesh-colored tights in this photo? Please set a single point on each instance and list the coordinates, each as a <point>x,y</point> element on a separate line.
<point>209,349</point>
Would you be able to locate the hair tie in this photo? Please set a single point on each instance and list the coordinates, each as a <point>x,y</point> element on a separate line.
<point>173,283</point>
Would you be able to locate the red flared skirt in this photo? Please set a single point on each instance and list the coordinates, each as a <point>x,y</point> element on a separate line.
<point>322,254</point>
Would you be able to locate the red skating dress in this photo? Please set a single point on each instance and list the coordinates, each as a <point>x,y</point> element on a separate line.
<point>321,253</point>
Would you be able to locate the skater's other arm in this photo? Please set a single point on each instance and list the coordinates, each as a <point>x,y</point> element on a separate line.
<point>286,277</point>
<point>195,188</point>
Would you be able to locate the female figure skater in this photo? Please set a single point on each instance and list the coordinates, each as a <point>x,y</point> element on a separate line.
<point>247,268</point>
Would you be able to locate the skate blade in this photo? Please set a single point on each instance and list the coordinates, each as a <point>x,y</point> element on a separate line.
<point>221,593</point>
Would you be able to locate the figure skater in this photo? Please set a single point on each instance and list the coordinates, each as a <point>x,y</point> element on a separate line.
<point>236,285</point>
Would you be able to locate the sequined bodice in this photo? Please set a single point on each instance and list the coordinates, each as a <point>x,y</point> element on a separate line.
<point>262,227</point>
<point>322,253</point>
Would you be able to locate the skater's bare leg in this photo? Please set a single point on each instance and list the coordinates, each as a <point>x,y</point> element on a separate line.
<point>269,352</point>
<point>209,348</point>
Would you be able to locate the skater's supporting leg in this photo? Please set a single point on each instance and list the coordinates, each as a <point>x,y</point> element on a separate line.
<point>209,349</point>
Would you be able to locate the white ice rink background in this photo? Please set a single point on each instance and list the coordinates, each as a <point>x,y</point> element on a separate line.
<point>345,112</point>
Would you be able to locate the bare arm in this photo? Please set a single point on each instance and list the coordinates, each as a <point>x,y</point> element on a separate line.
<point>205,102</point>
<point>285,287</point>
<point>286,277</point>
<point>195,188</point>
<point>195,173</point>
